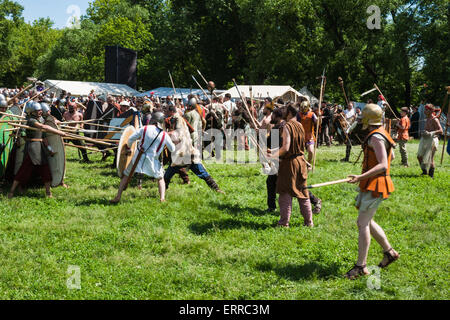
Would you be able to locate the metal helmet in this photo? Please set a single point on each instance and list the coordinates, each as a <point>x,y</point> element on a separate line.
<point>36,107</point>
<point>193,102</point>
<point>62,101</point>
<point>2,97</point>
<point>3,104</point>
<point>372,115</point>
<point>157,118</point>
<point>305,106</point>
<point>47,100</point>
<point>45,108</point>
<point>28,107</point>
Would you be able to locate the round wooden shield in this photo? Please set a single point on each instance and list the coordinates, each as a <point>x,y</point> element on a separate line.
<point>123,159</point>
<point>57,163</point>
<point>6,143</point>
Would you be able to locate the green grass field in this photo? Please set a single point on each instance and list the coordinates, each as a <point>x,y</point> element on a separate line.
<point>204,245</point>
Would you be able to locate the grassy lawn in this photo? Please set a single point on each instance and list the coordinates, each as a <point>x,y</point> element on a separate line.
<point>204,245</point>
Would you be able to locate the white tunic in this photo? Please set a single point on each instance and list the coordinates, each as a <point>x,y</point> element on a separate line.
<point>149,163</point>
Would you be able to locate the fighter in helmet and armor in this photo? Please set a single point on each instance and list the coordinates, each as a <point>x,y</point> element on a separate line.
<point>153,139</point>
<point>375,185</point>
<point>35,155</point>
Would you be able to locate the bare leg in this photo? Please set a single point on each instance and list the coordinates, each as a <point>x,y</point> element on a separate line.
<point>13,189</point>
<point>162,190</point>
<point>121,188</point>
<point>310,149</point>
<point>48,191</point>
<point>364,219</point>
<point>378,234</point>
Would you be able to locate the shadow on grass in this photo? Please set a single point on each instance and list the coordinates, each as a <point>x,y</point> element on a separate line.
<point>236,210</point>
<point>96,201</point>
<point>227,224</point>
<point>296,272</point>
<point>406,175</point>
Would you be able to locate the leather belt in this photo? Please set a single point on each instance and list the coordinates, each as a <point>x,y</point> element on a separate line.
<point>34,140</point>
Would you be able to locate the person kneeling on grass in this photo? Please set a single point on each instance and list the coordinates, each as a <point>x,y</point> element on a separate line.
<point>153,139</point>
<point>375,185</point>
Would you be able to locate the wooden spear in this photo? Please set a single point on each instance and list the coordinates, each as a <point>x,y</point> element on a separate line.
<point>322,89</point>
<point>378,89</point>
<point>328,183</point>
<point>255,126</point>
<point>68,134</point>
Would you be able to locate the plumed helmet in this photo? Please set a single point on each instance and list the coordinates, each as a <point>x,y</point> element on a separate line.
<point>305,106</point>
<point>193,102</point>
<point>45,107</point>
<point>157,118</point>
<point>372,115</point>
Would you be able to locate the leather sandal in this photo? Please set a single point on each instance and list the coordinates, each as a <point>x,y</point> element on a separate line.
<point>390,258</point>
<point>356,272</point>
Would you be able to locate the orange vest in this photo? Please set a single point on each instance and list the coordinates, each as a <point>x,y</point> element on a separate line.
<point>308,124</point>
<point>380,184</point>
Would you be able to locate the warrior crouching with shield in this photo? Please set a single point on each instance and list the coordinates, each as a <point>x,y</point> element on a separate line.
<point>35,154</point>
<point>375,185</point>
<point>153,139</point>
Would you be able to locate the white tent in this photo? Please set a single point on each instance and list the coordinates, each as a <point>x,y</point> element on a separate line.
<point>163,92</point>
<point>285,92</point>
<point>78,88</point>
<point>304,91</point>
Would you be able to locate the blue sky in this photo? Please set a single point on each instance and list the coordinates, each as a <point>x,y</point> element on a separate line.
<point>56,10</point>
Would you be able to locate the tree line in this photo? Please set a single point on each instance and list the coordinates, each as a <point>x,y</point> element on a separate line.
<point>279,42</point>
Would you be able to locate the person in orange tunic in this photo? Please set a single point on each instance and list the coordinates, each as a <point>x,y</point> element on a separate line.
<point>403,136</point>
<point>309,120</point>
<point>375,185</point>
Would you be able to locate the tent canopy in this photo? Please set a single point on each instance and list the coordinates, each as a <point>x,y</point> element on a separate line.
<point>274,92</point>
<point>163,92</point>
<point>312,99</point>
<point>79,88</point>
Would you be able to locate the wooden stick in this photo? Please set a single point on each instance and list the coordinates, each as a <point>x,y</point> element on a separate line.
<point>22,91</point>
<point>206,82</point>
<point>328,183</point>
<point>341,83</point>
<point>78,122</point>
<point>88,148</point>
<point>11,115</point>
<point>173,86</point>
<point>378,89</point>
<point>68,134</point>
<point>246,106</point>
<point>322,89</point>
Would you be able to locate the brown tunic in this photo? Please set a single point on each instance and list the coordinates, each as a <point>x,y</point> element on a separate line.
<point>293,171</point>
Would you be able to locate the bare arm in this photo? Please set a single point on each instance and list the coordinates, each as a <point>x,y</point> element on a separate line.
<point>286,144</point>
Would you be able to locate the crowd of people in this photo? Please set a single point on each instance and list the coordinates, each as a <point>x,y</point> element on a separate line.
<point>173,132</point>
